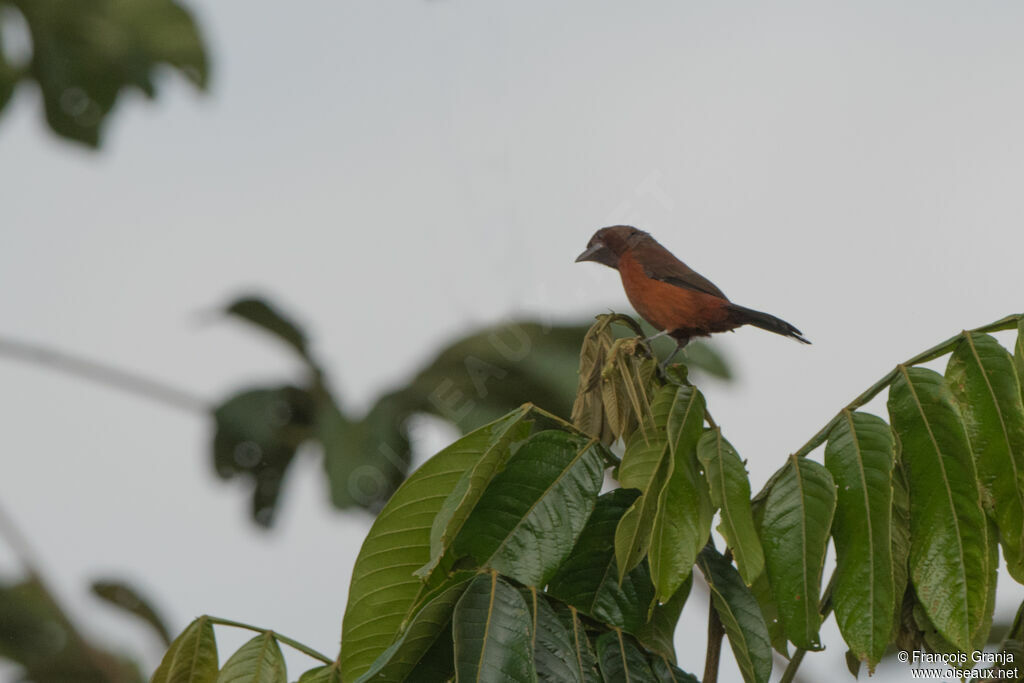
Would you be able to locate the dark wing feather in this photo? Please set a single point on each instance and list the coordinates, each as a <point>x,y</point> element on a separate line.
<point>659,264</point>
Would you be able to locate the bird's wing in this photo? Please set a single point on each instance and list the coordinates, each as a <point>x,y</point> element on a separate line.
<point>660,264</point>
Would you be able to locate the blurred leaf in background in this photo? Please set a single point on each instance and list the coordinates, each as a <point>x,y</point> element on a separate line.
<point>83,54</point>
<point>36,634</point>
<point>470,382</point>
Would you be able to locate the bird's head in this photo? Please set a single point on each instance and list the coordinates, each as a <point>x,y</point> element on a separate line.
<point>608,244</point>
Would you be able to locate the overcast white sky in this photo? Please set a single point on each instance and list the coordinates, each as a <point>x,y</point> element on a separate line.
<point>395,173</point>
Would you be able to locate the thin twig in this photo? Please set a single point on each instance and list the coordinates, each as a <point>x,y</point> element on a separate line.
<point>304,649</point>
<point>102,373</point>
<point>937,351</point>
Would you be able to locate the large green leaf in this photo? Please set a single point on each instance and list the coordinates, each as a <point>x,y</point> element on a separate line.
<point>730,493</point>
<point>622,660</point>
<point>984,383</point>
<point>427,625</point>
<point>948,547</point>
<point>258,661</point>
<point>492,632</point>
<point>84,54</point>
<point>383,587</point>
<point>682,523</point>
<point>658,634</point>
<point>531,514</point>
<point>860,454</point>
<point>900,540</point>
<point>561,651</point>
<point>1018,353</point>
<point>794,535</point>
<point>663,444</point>
<point>467,492</point>
<point>667,672</point>
<point>328,673</point>
<point>633,534</point>
<point>741,616</point>
<point>588,579</point>
<point>192,657</point>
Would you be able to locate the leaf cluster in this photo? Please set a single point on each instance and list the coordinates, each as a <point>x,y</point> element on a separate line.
<point>84,54</point>
<point>472,381</point>
<point>500,559</point>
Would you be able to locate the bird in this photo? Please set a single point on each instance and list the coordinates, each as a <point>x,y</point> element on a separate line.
<point>675,299</point>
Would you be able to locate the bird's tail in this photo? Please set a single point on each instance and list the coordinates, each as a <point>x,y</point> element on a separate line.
<point>766,321</point>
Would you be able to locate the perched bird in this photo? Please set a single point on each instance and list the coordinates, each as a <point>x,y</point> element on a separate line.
<point>668,294</point>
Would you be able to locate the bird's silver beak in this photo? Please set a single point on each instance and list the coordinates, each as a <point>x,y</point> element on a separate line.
<point>590,253</point>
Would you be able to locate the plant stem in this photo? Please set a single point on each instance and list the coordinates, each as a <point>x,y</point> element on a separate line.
<point>103,374</point>
<point>304,649</point>
<point>790,673</point>
<point>937,351</point>
<point>716,631</point>
<point>715,634</point>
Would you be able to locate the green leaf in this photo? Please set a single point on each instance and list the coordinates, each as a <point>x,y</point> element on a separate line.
<point>1018,354</point>
<point>126,597</point>
<point>588,578</point>
<point>257,434</point>
<point>264,316</point>
<point>492,631</point>
<point>1012,645</point>
<point>740,614</point>
<point>860,454</point>
<point>794,535</point>
<point>38,644</point>
<point>649,464</point>
<point>531,514</point>
<point>621,660</point>
<point>658,634</point>
<point>84,54</point>
<point>900,540</point>
<point>984,383</point>
<point>428,624</point>
<point>365,459</point>
<point>666,672</point>
<point>383,587</point>
<point>633,534</point>
<point>192,657</point>
<point>258,661</point>
<point>466,494</point>
<point>948,547</point>
<point>730,493</point>
<point>762,591</point>
<point>328,673</point>
<point>484,375</point>
<point>682,523</point>
<point>561,650</point>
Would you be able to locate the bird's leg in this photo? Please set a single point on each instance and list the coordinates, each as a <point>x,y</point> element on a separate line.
<point>680,343</point>
<point>648,340</point>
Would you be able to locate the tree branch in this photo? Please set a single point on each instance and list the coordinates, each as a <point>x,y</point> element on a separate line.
<point>101,373</point>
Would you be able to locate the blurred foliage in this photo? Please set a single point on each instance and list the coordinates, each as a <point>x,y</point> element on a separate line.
<point>472,381</point>
<point>129,599</point>
<point>37,635</point>
<point>84,53</point>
